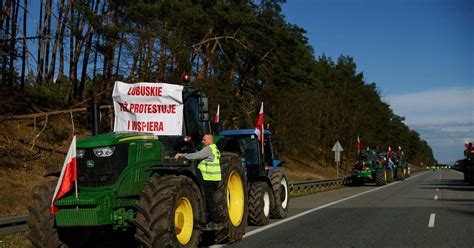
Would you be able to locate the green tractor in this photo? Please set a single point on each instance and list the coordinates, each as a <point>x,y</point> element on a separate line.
<point>268,184</point>
<point>400,166</point>
<point>371,167</point>
<point>131,188</point>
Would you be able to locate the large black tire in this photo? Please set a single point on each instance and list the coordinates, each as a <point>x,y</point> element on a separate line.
<point>169,213</point>
<point>471,174</point>
<point>390,176</point>
<point>232,199</point>
<point>380,176</point>
<point>400,174</point>
<point>261,202</point>
<point>355,181</point>
<point>281,193</point>
<point>43,231</point>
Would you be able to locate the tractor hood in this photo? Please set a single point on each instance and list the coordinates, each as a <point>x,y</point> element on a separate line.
<point>113,138</point>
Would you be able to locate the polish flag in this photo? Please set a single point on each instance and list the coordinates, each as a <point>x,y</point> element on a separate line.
<point>389,152</point>
<point>259,125</point>
<point>216,117</point>
<point>358,144</point>
<point>67,177</point>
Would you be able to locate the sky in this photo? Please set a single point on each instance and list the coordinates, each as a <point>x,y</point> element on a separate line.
<point>420,53</point>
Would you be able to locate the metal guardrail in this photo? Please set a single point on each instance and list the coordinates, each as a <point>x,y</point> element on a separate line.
<point>13,225</point>
<point>18,223</point>
<point>308,186</point>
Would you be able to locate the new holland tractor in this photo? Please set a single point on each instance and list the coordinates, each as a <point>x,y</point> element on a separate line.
<point>130,187</point>
<point>371,167</point>
<point>268,184</point>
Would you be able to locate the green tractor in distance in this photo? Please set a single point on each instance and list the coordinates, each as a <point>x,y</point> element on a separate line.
<point>400,166</point>
<point>268,184</point>
<point>371,167</point>
<point>130,187</point>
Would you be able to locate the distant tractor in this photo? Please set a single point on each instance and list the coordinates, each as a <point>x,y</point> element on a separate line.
<point>371,167</point>
<point>268,184</point>
<point>129,184</point>
<point>467,164</point>
<point>400,166</point>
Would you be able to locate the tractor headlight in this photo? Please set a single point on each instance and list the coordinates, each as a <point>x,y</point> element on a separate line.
<point>103,152</point>
<point>80,153</point>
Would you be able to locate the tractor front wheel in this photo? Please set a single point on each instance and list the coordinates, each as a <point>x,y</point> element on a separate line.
<point>43,230</point>
<point>168,213</point>
<point>260,203</point>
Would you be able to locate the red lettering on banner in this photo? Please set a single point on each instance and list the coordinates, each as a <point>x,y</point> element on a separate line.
<point>145,91</point>
<point>147,108</point>
<point>145,126</point>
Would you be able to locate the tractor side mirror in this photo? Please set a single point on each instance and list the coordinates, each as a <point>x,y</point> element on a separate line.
<point>203,104</point>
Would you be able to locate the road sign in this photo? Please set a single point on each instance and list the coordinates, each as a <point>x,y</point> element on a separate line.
<point>337,149</point>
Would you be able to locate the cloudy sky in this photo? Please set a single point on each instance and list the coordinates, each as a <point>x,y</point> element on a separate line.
<point>420,53</point>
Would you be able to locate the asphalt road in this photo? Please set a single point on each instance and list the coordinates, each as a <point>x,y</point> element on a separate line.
<point>430,209</point>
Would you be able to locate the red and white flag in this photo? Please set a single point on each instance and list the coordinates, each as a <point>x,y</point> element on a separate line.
<point>67,177</point>
<point>389,152</point>
<point>358,144</point>
<point>216,117</point>
<point>259,125</point>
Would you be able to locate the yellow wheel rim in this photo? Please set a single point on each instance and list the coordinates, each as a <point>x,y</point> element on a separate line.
<point>183,220</point>
<point>235,198</point>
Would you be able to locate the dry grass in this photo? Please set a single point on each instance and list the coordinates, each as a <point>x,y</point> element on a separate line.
<point>15,240</point>
<point>298,169</point>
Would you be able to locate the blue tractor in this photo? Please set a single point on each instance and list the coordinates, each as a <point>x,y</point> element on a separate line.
<point>268,183</point>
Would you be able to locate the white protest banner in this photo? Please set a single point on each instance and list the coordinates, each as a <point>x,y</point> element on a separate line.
<point>148,107</point>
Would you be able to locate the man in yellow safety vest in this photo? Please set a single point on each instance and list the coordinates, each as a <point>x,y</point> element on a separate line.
<point>210,169</point>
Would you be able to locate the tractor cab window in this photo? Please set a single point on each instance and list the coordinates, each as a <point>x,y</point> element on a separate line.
<point>249,147</point>
<point>193,126</point>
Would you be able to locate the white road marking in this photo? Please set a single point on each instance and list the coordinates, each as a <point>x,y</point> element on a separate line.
<point>436,197</point>
<point>319,208</point>
<point>431,222</point>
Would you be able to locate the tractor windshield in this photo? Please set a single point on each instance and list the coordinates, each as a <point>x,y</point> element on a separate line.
<point>250,148</point>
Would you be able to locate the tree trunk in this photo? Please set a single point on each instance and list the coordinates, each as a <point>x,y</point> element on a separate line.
<point>5,43</point>
<point>89,35</point>
<point>61,44</point>
<point>23,53</point>
<point>119,54</point>
<point>40,46</point>
<point>49,4</point>
<point>52,66</point>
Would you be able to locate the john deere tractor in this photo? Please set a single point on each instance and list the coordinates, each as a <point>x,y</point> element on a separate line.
<point>268,184</point>
<point>130,185</point>
<point>371,167</point>
<point>400,166</point>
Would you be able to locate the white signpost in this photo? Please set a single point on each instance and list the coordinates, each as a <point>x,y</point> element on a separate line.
<point>337,149</point>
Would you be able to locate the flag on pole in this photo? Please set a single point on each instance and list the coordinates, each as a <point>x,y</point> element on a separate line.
<point>216,117</point>
<point>389,152</point>
<point>358,144</point>
<point>259,125</point>
<point>67,177</point>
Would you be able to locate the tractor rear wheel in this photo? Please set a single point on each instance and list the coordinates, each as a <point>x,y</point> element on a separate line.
<point>260,203</point>
<point>471,174</point>
<point>232,199</point>
<point>400,175</point>
<point>43,230</point>
<point>389,176</point>
<point>380,176</point>
<point>281,192</point>
<point>168,213</point>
